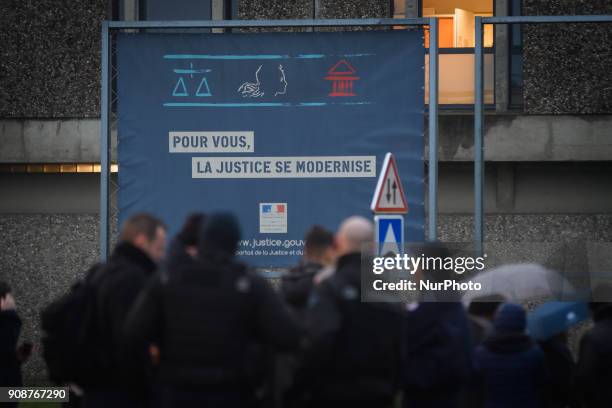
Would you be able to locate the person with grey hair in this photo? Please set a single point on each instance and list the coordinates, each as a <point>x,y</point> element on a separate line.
<point>343,329</point>
<point>354,235</point>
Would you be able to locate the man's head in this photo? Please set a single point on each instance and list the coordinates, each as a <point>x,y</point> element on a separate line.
<point>5,289</point>
<point>219,235</point>
<point>147,233</point>
<point>189,234</point>
<point>6,298</point>
<point>319,246</point>
<point>354,234</point>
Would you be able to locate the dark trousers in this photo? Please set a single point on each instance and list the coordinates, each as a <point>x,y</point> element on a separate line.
<point>175,397</point>
<point>430,399</point>
<point>112,397</point>
<point>350,404</point>
<point>74,401</point>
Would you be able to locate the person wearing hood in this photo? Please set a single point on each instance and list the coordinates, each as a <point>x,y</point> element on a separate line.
<point>436,349</point>
<point>211,319</point>
<point>593,373</point>
<point>184,246</point>
<point>510,365</point>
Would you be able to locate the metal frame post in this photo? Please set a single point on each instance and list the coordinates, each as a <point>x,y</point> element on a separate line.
<point>105,137</point>
<point>478,139</point>
<point>105,147</point>
<point>433,129</point>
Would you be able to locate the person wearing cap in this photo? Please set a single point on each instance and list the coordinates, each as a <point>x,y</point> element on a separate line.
<point>510,365</point>
<point>211,319</point>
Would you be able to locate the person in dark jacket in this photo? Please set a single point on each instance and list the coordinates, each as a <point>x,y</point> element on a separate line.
<point>436,348</point>
<point>297,286</point>
<point>561,366</point>
<point>511,365</point>
<point>10,326</point>
<point>353,358</point>
<point>185,244</point>
<point>593,371</point>
<point>318,254</point>
<point>123,381</point>
<point>211,318</point>
<point>11,356</point>
<point>481,313</point>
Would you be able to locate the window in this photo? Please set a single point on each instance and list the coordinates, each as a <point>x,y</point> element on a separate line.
<point>456,44</point>
<point>456,21</point>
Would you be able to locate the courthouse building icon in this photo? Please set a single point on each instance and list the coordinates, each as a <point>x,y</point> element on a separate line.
<point>342,76</point>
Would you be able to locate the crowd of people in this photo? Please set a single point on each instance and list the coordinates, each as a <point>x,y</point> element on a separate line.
<point>193,326</point>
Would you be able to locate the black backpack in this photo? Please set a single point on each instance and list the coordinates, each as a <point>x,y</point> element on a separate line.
<point>70,332</point>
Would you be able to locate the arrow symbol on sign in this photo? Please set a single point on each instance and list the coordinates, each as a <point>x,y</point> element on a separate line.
<point>389,186</point>
<point>394,189</point>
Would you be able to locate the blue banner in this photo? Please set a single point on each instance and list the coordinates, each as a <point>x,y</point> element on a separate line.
<point>285,130</point>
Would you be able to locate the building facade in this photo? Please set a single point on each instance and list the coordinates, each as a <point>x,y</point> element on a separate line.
<point>548,126</point>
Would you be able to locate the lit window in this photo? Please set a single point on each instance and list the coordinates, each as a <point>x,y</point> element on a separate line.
<point>54,168</point>
<point>456,21</point>
<point>456,48</point>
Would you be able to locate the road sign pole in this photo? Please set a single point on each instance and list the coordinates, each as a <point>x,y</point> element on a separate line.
<point>433,130</point>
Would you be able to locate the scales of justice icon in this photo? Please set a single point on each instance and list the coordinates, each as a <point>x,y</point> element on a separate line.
<point>181,87</point>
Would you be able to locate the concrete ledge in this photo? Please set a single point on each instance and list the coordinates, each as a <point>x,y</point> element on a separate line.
<point>518,138</point>
<point>51,141</point>
<point>508,138</point>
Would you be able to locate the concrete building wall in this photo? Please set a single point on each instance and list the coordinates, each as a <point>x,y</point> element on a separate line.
<point>254,9</point>
<point>289,9</point>
<point>567,66</point>
<point>50,58</point>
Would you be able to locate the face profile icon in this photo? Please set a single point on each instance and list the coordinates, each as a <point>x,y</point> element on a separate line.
<point>283,82</point>
<point>268,81</point>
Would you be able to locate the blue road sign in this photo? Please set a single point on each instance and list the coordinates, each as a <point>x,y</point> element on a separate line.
<point>389,234</point>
